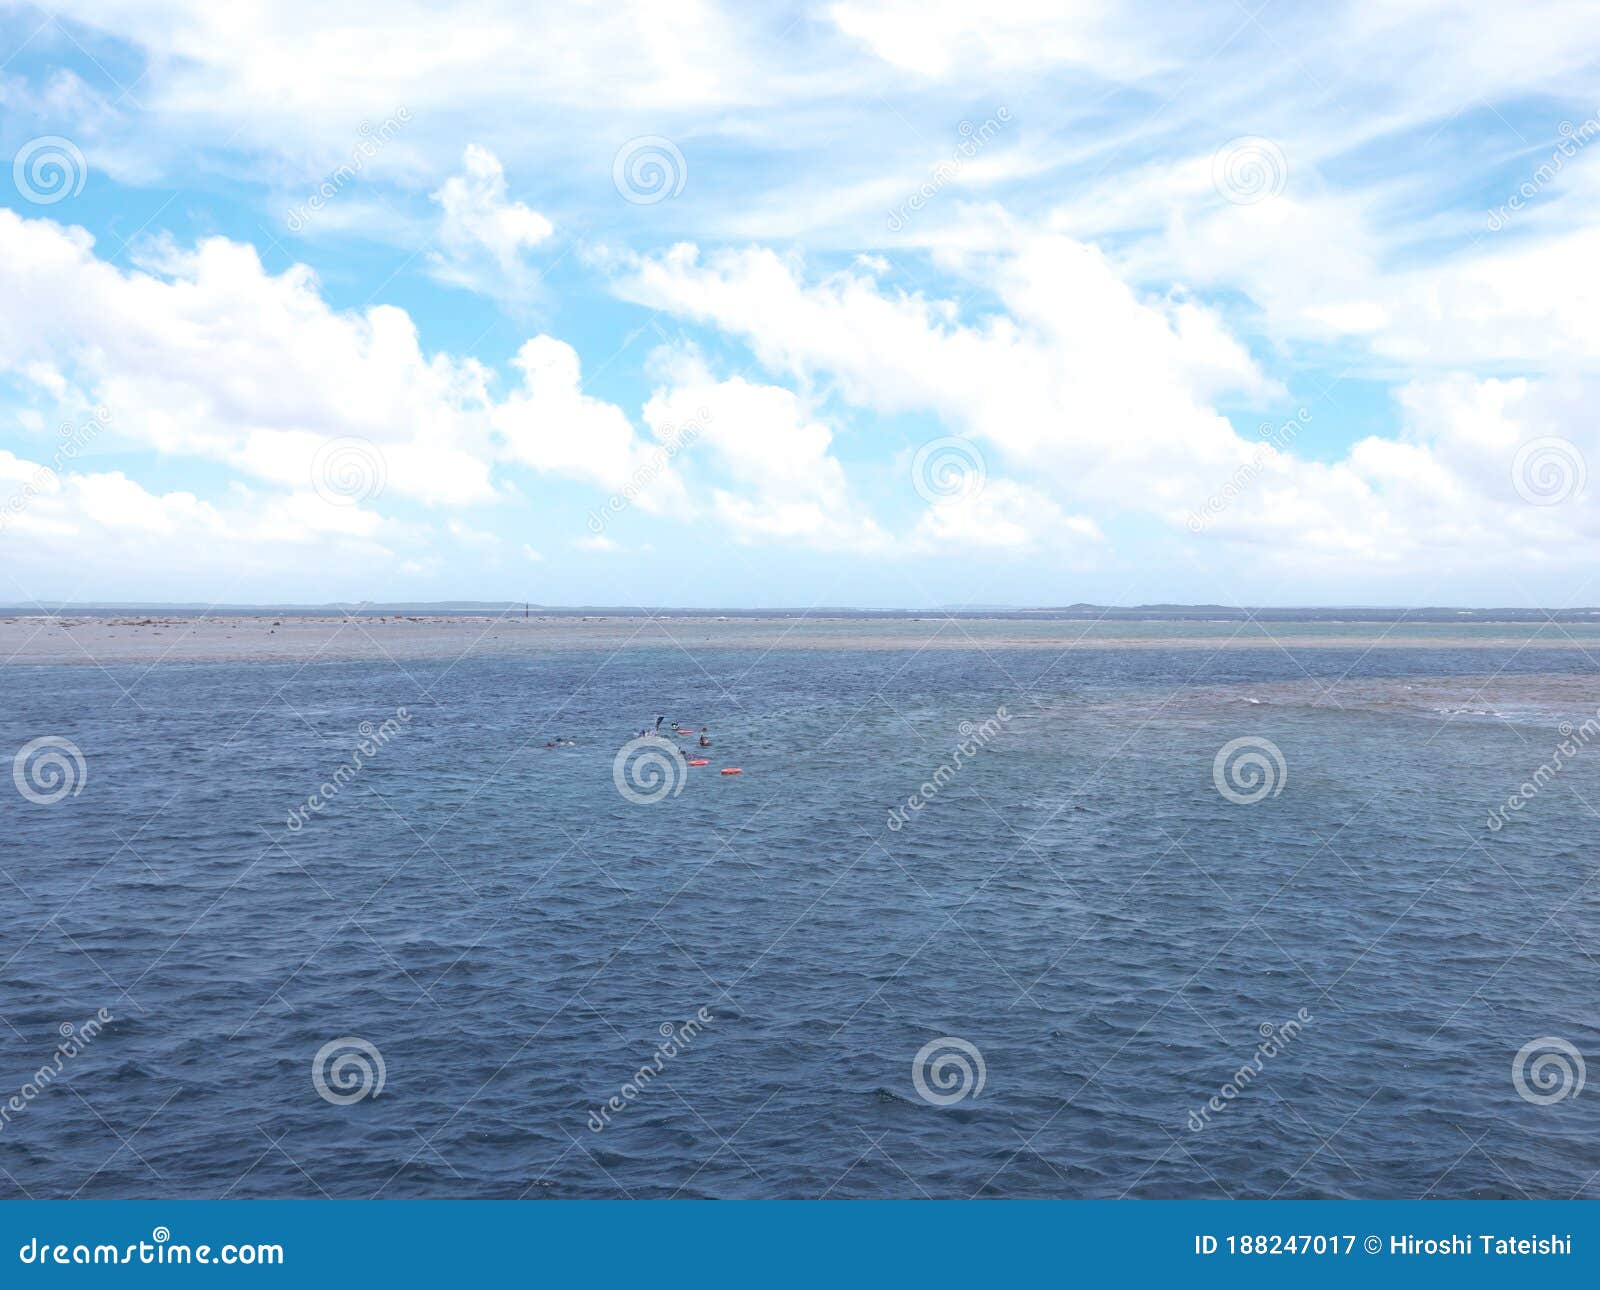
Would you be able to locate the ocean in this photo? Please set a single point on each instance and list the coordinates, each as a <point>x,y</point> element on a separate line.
<point>1306,921</point>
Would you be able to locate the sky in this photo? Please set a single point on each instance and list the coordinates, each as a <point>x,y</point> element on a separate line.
<point>870,303</point>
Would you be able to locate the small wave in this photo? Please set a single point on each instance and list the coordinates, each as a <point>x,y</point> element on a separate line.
<point>886,1094</point>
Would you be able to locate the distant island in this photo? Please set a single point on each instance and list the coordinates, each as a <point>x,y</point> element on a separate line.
<point>1080,611</point>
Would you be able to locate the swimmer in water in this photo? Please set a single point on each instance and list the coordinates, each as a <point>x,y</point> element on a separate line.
<point>705,739</point>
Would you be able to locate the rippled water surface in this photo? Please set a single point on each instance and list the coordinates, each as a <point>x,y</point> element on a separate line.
<point>1106,932</point>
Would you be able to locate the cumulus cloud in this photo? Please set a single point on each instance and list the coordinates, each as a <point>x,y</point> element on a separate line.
<point>1088,306</point>
<point>549,423</point>
<point>203,353</point>
<point>93,530</point>
<point>1081,379</point>
<point>782,480</point>
<point>483,235</point>
<point>1107,400</point>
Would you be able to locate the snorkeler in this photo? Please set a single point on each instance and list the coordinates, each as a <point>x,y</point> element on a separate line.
<point>705,739</point>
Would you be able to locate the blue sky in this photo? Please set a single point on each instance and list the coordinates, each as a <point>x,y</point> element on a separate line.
<point>850,304</point>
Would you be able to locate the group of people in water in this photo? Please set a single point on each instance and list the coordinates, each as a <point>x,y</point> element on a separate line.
<point>678,732</point>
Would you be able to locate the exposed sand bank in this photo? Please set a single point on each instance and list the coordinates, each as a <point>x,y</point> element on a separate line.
<point>155,640</point>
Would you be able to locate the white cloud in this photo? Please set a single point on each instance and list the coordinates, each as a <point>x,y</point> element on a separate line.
<point>203,353</point>
<point>549,423</point>
<point>98,529</point>
<point>1081,379</point>
<point>939,38</point>
<point>1004,515</point>
<point>469,536</point>
<point>783,480</point>
<point>484,236</point>
<point>1059,327</point>
<point>1105,399</point>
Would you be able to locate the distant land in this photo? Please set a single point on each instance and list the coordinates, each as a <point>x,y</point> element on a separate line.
<point>1066,613</point>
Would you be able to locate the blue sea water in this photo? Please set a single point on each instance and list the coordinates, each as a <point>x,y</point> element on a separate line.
<point>1108,935</point>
